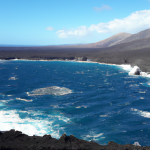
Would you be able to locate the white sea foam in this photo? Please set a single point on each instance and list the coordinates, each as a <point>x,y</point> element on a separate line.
<point>145,114</point>
<point>134,70</point>
<point>144,74</point>
<point>2,61</point>
<point>24,99</point>
<point>141,97</point>
<point>133,85</point>
<point>11,120</point>
<point>142,92</point>
<point>136,144</point>
<point>93,136</point>
<point>146,84</point>
<point>81,106</point>
<point>103,115</point>
<point>130,69</point>
<point>53,90</point>
<point>126,67</point>
<point>62,118</point>
<point>13,78</point>
<point>4,101</point>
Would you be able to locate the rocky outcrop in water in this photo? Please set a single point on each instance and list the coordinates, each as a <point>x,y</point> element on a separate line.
<point>16,140</point>
<point>135,71</point>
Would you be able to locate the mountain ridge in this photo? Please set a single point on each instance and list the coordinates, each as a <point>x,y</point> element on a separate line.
<point>140,35</point>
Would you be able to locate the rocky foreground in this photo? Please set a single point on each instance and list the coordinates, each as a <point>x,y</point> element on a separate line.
<point>16,140</point>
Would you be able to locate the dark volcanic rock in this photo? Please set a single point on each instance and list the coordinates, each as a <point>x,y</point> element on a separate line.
<point>119,54</point>
<point>137,72</point>
<point>15,140</point>
<point>84,59</point>
<point>9,58</point>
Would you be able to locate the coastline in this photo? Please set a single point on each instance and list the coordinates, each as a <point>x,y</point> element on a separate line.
<point>128,67</point>
<point>139,57</point>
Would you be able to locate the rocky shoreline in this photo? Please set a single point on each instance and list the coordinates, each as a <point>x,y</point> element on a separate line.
<point>16,140</point>
<point>140,57</point>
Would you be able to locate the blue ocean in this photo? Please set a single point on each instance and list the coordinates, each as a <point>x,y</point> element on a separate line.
<point>88,100</point>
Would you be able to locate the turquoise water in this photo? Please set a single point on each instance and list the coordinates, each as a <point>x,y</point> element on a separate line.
<point>88,100</point>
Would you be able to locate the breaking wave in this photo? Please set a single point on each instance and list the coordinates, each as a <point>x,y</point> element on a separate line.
<point>135,70</point>
<point>21,99</point>
<point>145,114</point>
<point>93,136</point>
<point>53,90</point>
<point>11,120</point>
<point>13,78</point>
<point>126,67</point>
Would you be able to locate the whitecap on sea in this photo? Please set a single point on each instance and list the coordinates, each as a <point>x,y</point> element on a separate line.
<point>94,136</point>
<point>53,90</point>
<point>145,114</point>
<point>22,99</point>
<point>13,78</point>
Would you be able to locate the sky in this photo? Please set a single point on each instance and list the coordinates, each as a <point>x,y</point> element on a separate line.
<point>58,22</point>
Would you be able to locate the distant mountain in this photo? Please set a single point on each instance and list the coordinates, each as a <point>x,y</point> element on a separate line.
<point>101,44</point>
<point>140,35</point>
<point>122,41</point>
<point>133,45</point>
<point>110,41</point>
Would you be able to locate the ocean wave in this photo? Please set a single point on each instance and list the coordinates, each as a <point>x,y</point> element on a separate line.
<point>133,85</point>
<point>142,91</point>
<point>126,67</point>
<point>145,114</point>
<point>147,84</point>
<point>135,70</point>
<point>4,101</point>
<point>2,61</point>
<point>11,120</point>
<point>13,78</point>
<point>24,99</point>
<point>103,115</point>
<point>82,106</point>
<point>53,90</point>
<point>93,136</point>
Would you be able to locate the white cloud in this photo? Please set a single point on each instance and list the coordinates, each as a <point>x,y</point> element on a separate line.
<point>135,22</point>
<point>49,28</point>
<point>79,32</point>
<point>104,7</point>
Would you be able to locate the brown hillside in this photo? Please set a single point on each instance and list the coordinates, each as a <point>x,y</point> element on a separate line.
<point>134,37</point>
